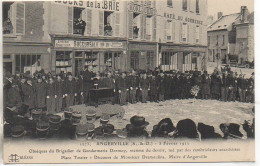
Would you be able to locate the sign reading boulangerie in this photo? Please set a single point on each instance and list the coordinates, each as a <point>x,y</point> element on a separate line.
<point>116,81</point>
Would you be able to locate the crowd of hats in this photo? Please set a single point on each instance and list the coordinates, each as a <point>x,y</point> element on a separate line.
<point>71,126</point>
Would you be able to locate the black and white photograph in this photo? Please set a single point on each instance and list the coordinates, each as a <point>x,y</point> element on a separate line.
<point>128,75</point>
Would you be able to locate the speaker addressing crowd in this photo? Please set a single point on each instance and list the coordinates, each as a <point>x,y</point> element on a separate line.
<point>31,102</point>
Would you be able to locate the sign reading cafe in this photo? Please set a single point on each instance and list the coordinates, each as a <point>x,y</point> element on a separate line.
<point>110,5</point>
<point>87,44</point>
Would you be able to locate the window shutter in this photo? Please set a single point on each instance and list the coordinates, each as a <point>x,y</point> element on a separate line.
<point>101,23</point>
<point>89,20</point>
<point>130,25</point>
<point>117,24</point>
<point>20,18</point>
<point>70,20</point>
<point>180,31</point>
<point>154,28</point>
<point>141,23</point>
<point>144,26</point>
<point>188,33</point>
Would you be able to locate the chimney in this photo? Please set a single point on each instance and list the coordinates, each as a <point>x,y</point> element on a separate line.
<point>244,13</point>
<point>220,14</point>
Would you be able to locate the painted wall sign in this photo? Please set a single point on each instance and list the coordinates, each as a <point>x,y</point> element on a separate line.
<point>87,44</point>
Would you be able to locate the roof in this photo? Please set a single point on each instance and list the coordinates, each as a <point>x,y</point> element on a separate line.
<point>224,22</point>
<point>250,20</point>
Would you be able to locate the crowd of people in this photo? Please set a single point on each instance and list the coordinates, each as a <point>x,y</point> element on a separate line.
<point>56,92</point>
<point>51,126</point>
<point>25,95</point>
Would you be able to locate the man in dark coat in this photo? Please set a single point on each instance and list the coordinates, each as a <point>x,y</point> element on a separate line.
<point>144,87</point>
<point>161,84</point>
<point>231,87</point>
<point>132,85</point>
<point>29,94</point>
<point>121,87</point>
<point>205,88</point>
<point>87,84</point>
<point>241,83</point>
<point>59,87</point>
<point>224,87</point>
<point>50,96</point>
<point>70,91</point>
<point>215,86</point>
<point>153,88</point>
<point>40,88</point>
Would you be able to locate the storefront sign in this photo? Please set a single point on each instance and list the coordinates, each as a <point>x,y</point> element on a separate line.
<point>181,18</point>
<point>109,5</point>
<point>87,44</point>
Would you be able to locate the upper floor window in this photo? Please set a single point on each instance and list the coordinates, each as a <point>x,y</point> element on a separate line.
<point>184,33</point>
<point>136,25</point>
<point>148,27</point>
<point>217,40</point>
<point>168,30</point>
<point>197,34</point>
<point>223,40</point>
<point>197,6</point>
<point>184,5</point>
<point>208,40</point>
<point>79,23</point>
<point>13,18</point>
<point>108,23</point>
<point>169,3</point>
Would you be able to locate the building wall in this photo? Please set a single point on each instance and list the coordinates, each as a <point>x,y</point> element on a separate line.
<point>61,18</point>
<point>177,16</point>
<point>245,42</point>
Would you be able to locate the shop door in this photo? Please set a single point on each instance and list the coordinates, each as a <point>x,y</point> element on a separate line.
<point>8,67</point>
<point>142,61</point>
<point>79,62</point>
<point>134,60</point>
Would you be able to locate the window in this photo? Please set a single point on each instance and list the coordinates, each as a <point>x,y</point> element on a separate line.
<point>208,40</point>
<point>223,40</point>
<point>134,59</point>
<point>217,40</point>
<point>184,32</point>
<point>185,5</point>
<point>166,58</point>
<point>108,59</point>
<point>79,23</point>
<point>108,23</point>
<point>136,25</point>
<point>197,34</point>
<point>148,27</point>
<point>29,63</point>
<point>168,29</point>
<point>197,7</point>
<point>13,18</point>
<point>169,3</point>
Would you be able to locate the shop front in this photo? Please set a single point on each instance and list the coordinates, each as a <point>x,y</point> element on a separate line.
<point>75,54</point>
<point>24,57</point>
<point>182,58</point>
<point>142,56</point>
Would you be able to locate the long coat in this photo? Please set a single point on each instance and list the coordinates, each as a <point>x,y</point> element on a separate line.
<point>215,85</point>
<point>205,88</point>
<point>40,89</point>
<point>14,98</point>
<point>29,96</point>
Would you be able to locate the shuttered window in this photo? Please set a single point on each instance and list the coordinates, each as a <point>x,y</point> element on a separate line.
<point>197,6</point>
<point>117,24</point>
<point>184,5</point>
<point>197,34</point>
<point>20,18</point>
<point>130,25</point>
<point>101,23</point>
<point>154,28</point>
<point>184,32</point>
<point>89,20</point>
<point>70,20</point>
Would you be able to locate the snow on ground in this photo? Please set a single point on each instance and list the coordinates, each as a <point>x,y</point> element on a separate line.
<point>209,112</point>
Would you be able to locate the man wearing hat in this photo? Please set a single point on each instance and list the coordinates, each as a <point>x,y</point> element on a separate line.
<point>59,87</point>
<point>153,89</point>
<point>50,98</point>
<point>70,91</point>
<point>144,87</point>
<point>40,88</point>
<point>29,94</point>
<point>241,83</point>
<point>121,87</point>
<point>224,86</point>
<point>137,128</point>
<point>104,119</point>
<point>91,131</point>
<point>132,84</point>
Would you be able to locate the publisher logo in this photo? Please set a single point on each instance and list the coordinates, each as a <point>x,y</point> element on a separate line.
<point>14,158</point>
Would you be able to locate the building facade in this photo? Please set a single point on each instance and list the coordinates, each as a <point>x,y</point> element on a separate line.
<point>182,34</point>
<point>68,36</point>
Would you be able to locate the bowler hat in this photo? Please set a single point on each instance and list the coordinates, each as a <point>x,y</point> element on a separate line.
<point>187,128</point>
<point>17,131</point>
<point>81,129</point>
<point>138,121</point>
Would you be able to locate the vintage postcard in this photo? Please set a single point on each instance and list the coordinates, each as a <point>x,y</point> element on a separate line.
<point>128,81</point>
